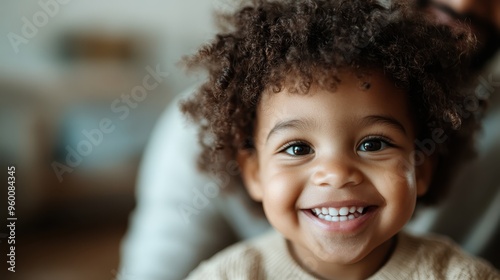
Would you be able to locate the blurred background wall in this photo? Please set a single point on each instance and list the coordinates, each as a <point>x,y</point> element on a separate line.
<point>75,115</point>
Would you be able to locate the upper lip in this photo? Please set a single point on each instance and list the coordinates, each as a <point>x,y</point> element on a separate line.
<point>340,204</point>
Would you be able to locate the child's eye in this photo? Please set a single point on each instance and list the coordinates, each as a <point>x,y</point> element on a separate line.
<point>374,145</point>
<point>297,149</point>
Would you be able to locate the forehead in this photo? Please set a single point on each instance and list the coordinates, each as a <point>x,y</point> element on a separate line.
<point>340,108</point>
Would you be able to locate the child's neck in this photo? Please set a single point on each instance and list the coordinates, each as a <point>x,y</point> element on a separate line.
<point>360,270</point>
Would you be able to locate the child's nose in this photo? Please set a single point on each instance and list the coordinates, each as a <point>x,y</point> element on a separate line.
<point>336,172</point>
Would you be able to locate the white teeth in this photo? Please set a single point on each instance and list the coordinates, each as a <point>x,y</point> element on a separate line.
<point>335,214</point>
<point>334,211</point>
<point>344,211</point>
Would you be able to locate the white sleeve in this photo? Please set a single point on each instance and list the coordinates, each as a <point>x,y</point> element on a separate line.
<point>176,223</point>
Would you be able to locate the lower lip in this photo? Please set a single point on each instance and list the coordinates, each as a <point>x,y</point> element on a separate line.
<point>349,226</point>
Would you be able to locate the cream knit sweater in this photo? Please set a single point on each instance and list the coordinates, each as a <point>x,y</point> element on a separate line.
<point>267,257</point>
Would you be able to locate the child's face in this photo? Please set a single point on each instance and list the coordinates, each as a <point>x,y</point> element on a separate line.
<point>336,151</point>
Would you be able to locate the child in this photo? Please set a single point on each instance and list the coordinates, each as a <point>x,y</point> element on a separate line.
<point>340,114</point>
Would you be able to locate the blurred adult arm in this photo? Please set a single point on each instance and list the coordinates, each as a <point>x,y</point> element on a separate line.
<point>180,218</point>
<point>162,243</point>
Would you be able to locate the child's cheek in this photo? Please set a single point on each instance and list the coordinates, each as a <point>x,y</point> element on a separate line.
<point>400,173</point>
<point>399,187</point>
<point>283,186</point>
<point>281,191</point>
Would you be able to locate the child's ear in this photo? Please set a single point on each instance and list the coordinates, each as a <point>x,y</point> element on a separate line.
<point>425,172</point>
<point>249,166</point>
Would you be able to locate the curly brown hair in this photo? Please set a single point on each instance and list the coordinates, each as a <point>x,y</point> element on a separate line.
<point>267,45</point>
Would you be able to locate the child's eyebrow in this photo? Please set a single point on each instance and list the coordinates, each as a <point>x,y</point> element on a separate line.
<point>385,120</point>
<point>287,124</point>
<point>366,121</point>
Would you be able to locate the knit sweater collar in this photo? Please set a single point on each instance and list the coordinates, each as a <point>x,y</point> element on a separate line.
<point>397,267</point>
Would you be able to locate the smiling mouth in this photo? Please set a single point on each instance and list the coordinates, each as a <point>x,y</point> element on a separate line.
<point>333,214</point>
